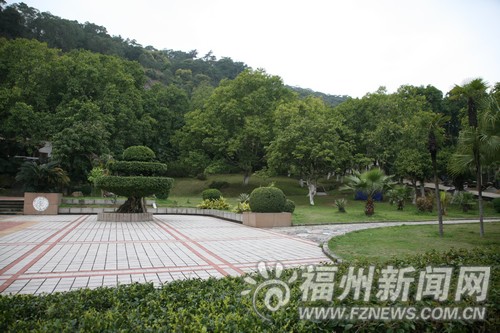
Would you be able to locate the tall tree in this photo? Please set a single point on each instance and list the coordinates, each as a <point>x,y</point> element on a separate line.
<point>310,141</point>
<point>474,93</point>
<point>435,130</point>
<point>236,122</point>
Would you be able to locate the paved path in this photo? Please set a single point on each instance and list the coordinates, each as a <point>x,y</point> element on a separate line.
<point>322,233</point>
<point>45,254</point>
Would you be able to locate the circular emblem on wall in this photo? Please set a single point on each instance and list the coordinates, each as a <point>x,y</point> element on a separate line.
<point>40,203</point>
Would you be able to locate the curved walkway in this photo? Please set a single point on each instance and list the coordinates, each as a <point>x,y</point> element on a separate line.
<point>45,254</point>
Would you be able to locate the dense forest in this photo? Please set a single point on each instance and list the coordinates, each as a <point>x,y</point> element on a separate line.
<point>91,95</point>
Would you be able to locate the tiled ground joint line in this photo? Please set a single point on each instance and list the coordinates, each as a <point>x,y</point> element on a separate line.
<point>185,240</point>
<point>65,230</point>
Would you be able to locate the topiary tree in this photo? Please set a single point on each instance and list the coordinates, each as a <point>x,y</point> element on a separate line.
<point>267,200</point>
<point>136,177</point>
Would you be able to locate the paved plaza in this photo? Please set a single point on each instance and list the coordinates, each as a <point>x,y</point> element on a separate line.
<point>45,254</point>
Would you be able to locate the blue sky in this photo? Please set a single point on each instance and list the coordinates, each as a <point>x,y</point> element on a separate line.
<point>346,47</point>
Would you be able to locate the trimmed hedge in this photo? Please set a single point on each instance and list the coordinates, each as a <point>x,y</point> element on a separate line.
<point>216,305</point>
<point>267,200</point>
<point>289,206</point>
<point>136,168</point>
<point>136,186</point>
<point>211,194</point>
<point>139,153</point>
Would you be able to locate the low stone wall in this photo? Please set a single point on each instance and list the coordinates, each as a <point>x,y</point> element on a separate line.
<point>162,210</point>
<point>124,217</point>
<point>101,201</point>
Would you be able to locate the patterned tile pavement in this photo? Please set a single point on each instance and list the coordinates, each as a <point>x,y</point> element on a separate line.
<point>45,254</point>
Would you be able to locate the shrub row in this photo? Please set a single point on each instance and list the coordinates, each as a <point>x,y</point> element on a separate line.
<point>216,305</point>
<point>136,186</point>
<point>135,168</point>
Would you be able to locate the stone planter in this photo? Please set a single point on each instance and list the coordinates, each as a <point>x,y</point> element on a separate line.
<point>41,203</point>
<point>267,220</point>
<point>124,217</point>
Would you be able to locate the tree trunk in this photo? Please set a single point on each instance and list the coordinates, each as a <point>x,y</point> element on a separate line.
<point>480,198</point>
<point>438,197</point>
<point>422,188</point>
<point>312,192</point>
<point>415,192</point>
<point>369,207</point>
<point>246,178</point>
<point>133,205</point>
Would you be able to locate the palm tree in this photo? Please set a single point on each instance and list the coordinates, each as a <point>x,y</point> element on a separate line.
<point>478,144</point>
<point>47,177</point>
<point>436,128</point>
<point>369,183</point>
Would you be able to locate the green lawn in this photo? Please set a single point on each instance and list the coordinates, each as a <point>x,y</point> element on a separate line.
<point>380,244</point>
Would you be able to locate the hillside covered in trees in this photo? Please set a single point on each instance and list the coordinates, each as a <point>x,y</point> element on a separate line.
<point>91,95</point>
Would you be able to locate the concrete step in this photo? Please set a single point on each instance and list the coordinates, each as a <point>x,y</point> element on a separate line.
<point>10,207</point>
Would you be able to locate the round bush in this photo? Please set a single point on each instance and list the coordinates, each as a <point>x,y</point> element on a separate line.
<point>211,194</point>
<point>496,204</point>
<point>267,200</point>
<point>289,206</point>
<point>138,153</point>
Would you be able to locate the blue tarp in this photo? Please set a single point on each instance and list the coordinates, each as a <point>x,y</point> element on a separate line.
<point>361,196</point>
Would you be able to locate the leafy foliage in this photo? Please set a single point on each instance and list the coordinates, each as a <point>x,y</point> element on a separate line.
<point>136,168</point>
<point>289,206</point>
<point>138,154</point>
<point>399,195</point>
<point>369,183</point>
<point>47,177</point>
<point>464,199</point>
<point>235,123</point>
<point>425,204</point>
<point>267,200</point>
<point>496,204</point>
<point>341,203</point>
<point>242,207</point>
<point>220,204</point>
<point>135,186</point>
<point>126,181</point>
<point>243,197</point>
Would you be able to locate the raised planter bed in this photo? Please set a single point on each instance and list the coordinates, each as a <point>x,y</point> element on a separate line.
<point>124,217</point>
<point>267,220</point>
